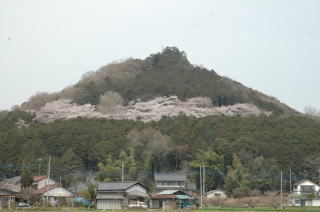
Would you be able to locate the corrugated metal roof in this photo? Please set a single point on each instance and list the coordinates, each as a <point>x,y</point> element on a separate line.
<point>170,177</point>
<point>183,197</point>
<point>111,186</point>
<point>165,192</point>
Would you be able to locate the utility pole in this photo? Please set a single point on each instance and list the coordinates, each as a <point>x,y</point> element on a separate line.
<point>122,172</point>
<point>200,188</point>
<point>319,176</point>
<point>48,177</point>
<point>204,180</point>
<point>290,181</point>
<point>281,190</point>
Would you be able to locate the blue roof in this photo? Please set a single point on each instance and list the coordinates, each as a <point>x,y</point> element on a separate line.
<point>184,197</point>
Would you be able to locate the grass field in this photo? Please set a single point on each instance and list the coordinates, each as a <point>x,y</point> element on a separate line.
<point>287,209</point>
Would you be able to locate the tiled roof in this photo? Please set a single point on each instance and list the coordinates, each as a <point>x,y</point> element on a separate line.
<point>45,189</point>
<point>10,186</point>
<point>110,186</point>
<point>170,177</point>
<point>15,179</point>
<point>38,178</point>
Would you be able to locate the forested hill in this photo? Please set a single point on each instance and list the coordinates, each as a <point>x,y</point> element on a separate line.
<point>166,73</point>
<point>242,154</point>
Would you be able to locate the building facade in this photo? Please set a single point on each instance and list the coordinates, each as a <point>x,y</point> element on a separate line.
<point>118,195</point>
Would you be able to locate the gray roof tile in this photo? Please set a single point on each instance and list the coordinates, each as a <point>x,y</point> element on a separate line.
<point>110,186</point>
<point>170,177</point>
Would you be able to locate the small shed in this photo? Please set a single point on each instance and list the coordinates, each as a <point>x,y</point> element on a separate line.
<point>170,199</point>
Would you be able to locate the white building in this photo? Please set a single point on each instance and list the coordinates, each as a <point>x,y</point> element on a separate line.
<point>53,192</point>
<point>305,187</point>
<point>173,181</point>
<point>215,194</point>
<point>306,193</point>
<point>41,181</point>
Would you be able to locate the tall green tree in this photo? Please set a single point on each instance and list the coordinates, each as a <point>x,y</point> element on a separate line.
<point>237,178</point>
<point>214,168</point>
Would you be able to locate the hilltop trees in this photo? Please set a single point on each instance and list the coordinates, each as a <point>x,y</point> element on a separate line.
<point>37,101</point>
<point>109,102</point>
<point>164,73</point>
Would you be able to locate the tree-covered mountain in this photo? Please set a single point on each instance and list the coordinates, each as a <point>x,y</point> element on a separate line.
<point>241,154</point>
<point>162,74</point>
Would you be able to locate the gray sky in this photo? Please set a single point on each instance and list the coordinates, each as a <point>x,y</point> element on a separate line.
<point>272,46</point>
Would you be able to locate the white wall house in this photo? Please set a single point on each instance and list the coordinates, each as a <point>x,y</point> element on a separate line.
<point>41,181</point>
<point>57,192</point>
<point>215,194</point>
<point>53,192</point>
<point>306,193</point>
<point>305,187</point>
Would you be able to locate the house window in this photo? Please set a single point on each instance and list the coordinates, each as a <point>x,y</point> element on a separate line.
<point>308,189</point>
<point>9,199</point>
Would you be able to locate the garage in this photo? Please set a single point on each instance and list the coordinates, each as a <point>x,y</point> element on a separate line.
<point>109,204</point>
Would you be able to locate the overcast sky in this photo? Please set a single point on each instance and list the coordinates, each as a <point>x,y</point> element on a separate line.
<point>272,46</point>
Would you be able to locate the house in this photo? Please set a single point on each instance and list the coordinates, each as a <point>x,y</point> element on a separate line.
<point>41,181</point>
<point>173,181</point>
<point>44,187</point>
<point>169,199</point>
<point>52,192</point>
<point>305,187</point>
<point>8,192</point>
<point>118,195</point>
<point>41,187</point>
<point>215,194</point>
<point>306,193</point>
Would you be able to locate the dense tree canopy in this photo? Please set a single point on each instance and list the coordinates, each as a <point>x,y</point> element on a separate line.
<point>240,153</point>
<point>230,147</point>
